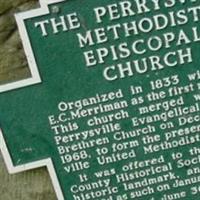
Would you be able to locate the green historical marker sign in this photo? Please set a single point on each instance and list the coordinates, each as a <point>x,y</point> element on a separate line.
<point>113,105</point>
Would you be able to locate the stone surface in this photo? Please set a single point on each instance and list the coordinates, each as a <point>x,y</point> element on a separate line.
<point>36,184</point>
<point>12,68</point>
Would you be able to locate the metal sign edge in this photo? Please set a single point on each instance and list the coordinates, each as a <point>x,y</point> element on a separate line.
<point>35,79</point>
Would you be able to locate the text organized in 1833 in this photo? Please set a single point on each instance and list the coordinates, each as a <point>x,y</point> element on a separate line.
<point>117,108</point>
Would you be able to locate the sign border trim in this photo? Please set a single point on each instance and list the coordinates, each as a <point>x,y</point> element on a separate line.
<point>35,79</point>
